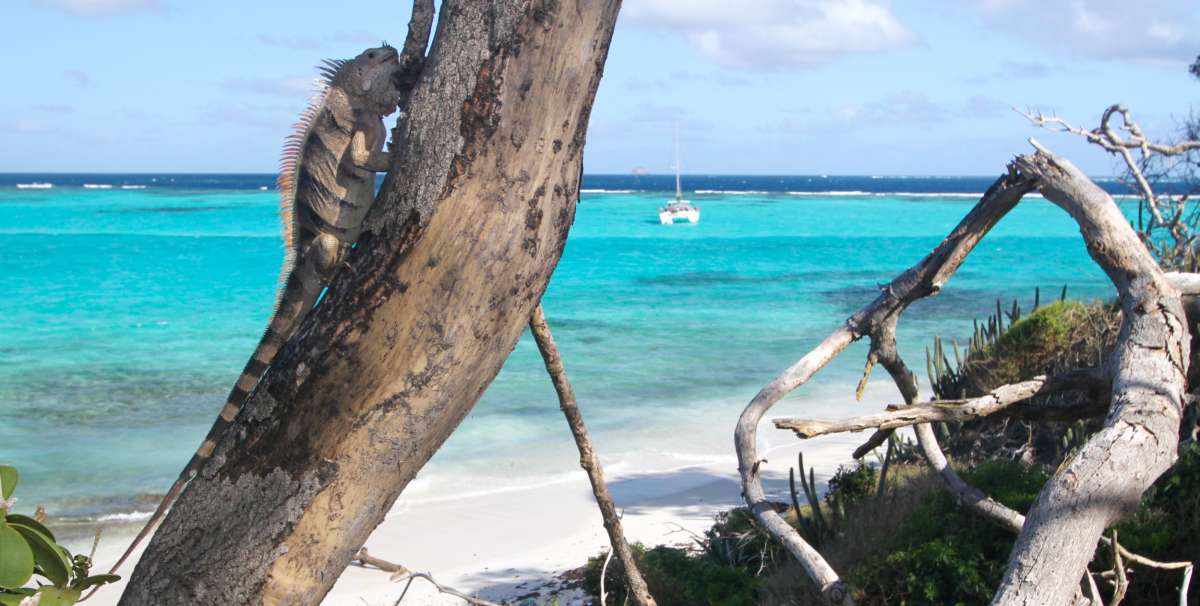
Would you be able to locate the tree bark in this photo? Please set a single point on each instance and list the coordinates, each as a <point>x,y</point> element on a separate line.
<point>878,320</point>
<point>464,235</point>
<point>588,459</point>
<point>1105,480</point>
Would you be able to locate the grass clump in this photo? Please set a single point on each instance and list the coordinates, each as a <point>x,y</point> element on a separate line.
<point>942,553</point>
<point>1009,347</point>
<point>675,577</point>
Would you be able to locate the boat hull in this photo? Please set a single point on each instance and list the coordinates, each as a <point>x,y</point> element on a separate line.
<point>670,217</point>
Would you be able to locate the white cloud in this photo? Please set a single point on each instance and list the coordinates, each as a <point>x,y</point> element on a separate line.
<point>771,33</point>
<point>1101,29</point>
<point>904,107</point>
<point>98,8</point>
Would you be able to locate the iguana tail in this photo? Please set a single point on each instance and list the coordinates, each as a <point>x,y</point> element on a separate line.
<point>301,290</point>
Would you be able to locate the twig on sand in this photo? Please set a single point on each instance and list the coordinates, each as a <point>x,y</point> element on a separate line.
<point>604,573</point>
<point>412,576</point>
<point>365,559</point>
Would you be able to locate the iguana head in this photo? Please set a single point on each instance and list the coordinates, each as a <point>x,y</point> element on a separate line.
<point>370,79</point>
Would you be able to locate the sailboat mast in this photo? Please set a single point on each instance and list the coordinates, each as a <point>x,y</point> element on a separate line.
<point>678,188</point>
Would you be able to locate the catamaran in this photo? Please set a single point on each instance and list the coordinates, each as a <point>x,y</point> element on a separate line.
<point>678,208</point>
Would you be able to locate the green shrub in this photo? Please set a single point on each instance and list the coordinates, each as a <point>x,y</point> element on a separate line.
<point>737,540</point>
<point>850,485</point>
<point>29,549</point>
<point>1164,528</point>
<point>944,554</point>
<point>675,577</point>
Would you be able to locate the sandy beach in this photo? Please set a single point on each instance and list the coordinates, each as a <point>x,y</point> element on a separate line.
<point>511,546</point>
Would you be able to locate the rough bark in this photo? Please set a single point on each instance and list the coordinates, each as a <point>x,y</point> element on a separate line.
<point>877,319</point>
<point>588,459</point>
<point>1105,480</point>
<point>465,233</point>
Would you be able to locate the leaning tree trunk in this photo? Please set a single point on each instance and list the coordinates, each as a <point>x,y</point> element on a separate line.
<point>1103,482</point>
<point>470,223</point>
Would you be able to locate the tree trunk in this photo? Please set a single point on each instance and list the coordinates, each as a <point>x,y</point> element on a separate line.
<point>466,231</point>
<point>1104,481</point>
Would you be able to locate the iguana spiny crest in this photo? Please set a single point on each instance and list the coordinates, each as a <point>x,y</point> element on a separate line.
<point>326,185</point>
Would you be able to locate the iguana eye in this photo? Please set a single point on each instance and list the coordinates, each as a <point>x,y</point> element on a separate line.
<point>370,55</point>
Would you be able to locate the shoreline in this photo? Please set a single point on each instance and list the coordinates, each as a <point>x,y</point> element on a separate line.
<point>510,544</point>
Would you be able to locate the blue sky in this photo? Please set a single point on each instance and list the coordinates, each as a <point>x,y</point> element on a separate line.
<point>757,87</point>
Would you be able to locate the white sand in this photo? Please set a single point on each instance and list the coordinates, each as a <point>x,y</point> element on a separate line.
<point>505,545</point>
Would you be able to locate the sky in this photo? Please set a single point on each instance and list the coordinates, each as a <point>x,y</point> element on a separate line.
<point>922,87</point>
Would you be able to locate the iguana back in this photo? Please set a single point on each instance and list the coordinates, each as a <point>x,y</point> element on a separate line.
<point>326,185</point>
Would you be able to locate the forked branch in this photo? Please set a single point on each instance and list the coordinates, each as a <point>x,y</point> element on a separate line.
<point>875,319</point>
<point>1146,378</point>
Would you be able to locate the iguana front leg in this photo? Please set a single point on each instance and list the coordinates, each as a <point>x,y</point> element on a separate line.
<point>374,160</point>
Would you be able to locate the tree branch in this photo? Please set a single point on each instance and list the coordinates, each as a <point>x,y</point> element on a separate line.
<point>1105,479</point>
<point>587,457</point>
<point>924,279</point>
<point>1002,399</point>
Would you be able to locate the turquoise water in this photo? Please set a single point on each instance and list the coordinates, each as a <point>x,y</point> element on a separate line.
<point>128,314</point>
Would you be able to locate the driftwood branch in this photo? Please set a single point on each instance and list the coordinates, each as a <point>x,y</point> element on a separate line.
<point>1107,137</point>
<point>1109,474</point>
<point>924,279</point>
<point>1001,399</point>
<point>587,457</point>
<point>366,559</point>
<point>1105,479</point>
<point>412,576</point>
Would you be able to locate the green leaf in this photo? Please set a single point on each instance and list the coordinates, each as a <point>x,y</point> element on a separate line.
<point>21,520</point>
<point>16,558</point>
<point>13,596</point>
<point>98,579</point>
<point>46,554</point>
<point>58,596</point>
<point>8,480</point>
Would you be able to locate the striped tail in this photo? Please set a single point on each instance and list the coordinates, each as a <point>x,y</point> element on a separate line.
<point>300,293</point>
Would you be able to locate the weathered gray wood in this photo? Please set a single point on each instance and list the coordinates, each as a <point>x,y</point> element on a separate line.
<point>1105,480</point>
<point>1002,399</point>
<point>877,319</point>
<point>588,459</point>
<point>463,238</point>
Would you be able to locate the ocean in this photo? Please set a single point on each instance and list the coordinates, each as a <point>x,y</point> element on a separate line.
<point>132,302</point>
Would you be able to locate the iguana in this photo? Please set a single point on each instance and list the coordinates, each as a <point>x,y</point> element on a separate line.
<point>326,185</point>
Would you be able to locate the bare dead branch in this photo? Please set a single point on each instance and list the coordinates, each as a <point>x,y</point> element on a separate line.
<point>1105,479</point>
<point>366,559</point>
<point>1132,270</point>
<point>1093,591</point>
<point>964,493</point>
<point>1121,584</point>
<point>603,574</point>
<point>997,400</point>
<point>412,576</point>
<point>587,457</point>
<point>924,279</point>
<point>875,441</point>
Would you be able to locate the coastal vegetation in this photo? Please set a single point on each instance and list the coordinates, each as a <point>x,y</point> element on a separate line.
<point>1056,462</point>
<point>29,552</point>
<point>904,538</point>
